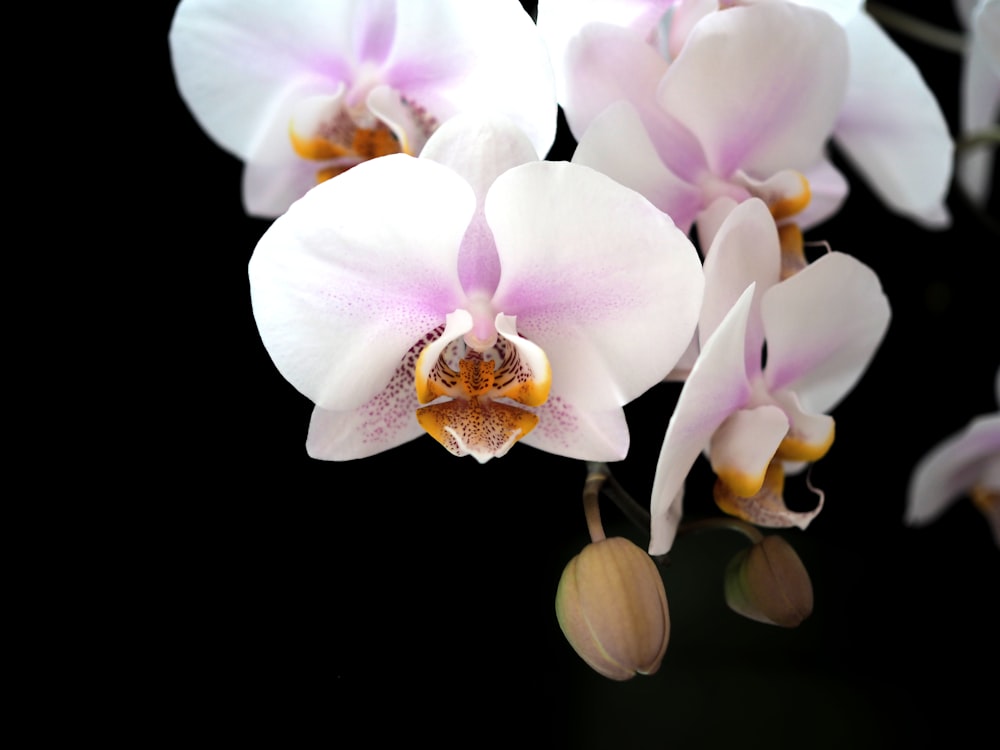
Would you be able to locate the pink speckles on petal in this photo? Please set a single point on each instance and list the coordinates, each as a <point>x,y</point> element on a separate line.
<point>385,421</point>
<point>567,430</point>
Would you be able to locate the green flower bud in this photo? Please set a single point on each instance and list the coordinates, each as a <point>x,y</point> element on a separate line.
<point>767,582</point>
<point>612,609</point>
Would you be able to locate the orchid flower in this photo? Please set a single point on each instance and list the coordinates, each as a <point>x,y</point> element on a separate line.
<point>967,463</point>
<point>821,327</point>
<point>980,93</point>
<point>889,123</point>
<point>746,106</point>
<point>477,294</point>
<point>301,90</point>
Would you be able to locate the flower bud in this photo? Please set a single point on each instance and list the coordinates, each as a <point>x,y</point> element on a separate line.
<point>767,582</point>
<point>612,609</point>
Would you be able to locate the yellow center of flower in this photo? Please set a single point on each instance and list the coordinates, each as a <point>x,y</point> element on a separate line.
<point>474,421</point>
<point>347,145</point>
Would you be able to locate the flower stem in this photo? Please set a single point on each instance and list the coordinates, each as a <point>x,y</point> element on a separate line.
<point>591,505</point>
<point>750,531</point>
<point>618,495</point>
<point>915,28</point>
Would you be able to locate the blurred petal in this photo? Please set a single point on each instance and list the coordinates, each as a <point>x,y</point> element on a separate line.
<point>236,64</point>
<point>716,388</point>
<point>598,277</point>
<point>892,127</point>
<point>341,295</point>
<point>828,190</point>
<point>471,56</point>
<point>783,74</point>
<point>823,326</point>
<point>980,108</point>
<point>952,468</point>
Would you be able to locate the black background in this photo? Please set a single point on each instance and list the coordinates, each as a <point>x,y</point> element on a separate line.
<point>409,596</point>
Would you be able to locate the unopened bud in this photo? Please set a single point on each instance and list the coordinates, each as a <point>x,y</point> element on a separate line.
<point>612,609</point>
<point>767,582</point>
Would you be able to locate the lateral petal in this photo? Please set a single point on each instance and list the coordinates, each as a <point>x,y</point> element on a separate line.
<point>599,278</point>
<point>356,272</point>
<point>742,448</point>
<point>823,326</point>
<point>784,71</point>
<point>716,388</point>
<point>952,468</point>
<point>892,128</point>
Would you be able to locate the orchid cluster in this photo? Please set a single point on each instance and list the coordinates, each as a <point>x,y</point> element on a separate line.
<point>428,270</point>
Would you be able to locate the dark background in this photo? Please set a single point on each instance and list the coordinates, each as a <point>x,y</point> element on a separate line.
<point>409,596</point>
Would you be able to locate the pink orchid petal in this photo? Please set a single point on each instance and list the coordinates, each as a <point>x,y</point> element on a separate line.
<point>638,166</point>
<point>716,388</point>
<point>892,127</point>
<point>823,326</point>
<point>357,272</point>
<point>950,469</point>
<point>783,75</point>
<point>598,277</point>
<point>743,446</point>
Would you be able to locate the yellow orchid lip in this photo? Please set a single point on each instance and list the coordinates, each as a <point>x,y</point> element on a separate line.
<point>474,421</point>
<point>350,144</point>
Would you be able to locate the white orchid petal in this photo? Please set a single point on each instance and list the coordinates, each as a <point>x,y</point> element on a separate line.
<point>809,435</point>
<point>453,57</point>
<point>607,64</point>
<point>716,388</point>
<point>761,85</point>
<point>236,64</point>
<point>560,20</point>
<point>387,420</point>
<point>952,468</point>
<point>598,277</point>
<point>479,148</point>
<point>742,448</point>
<point>357,272</point>
<point>269,189</point>
<point>980,108</point>
<point>842,11</point>
<point>745,251</point>
<point>823,326</point>
<point>637,165</point>
<point>567,430</point>
<point>892,127</point>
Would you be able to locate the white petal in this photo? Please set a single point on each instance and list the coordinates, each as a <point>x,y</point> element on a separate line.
<point>743,446</point>
<point>597,276</point>
<point>453,57</point>
<point>892,127</point>
<point>617,144</point>
<point>357,272</point>
<point>952,468</point>
<point>387,420</point>
<point>239,66</point>
<point>823,326</point>
<point>716,388</point>
<point>480,148</point>
<point>761,86</point>
<point>560,20</point>
<point>841,10</point>
<point>566,430</point>
<point>980,108</point>
<point>745,251</point>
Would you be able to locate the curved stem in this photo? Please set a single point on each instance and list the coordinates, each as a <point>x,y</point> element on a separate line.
<point>915,28</point>
<point>591,505</point>
<point>750,531</point>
